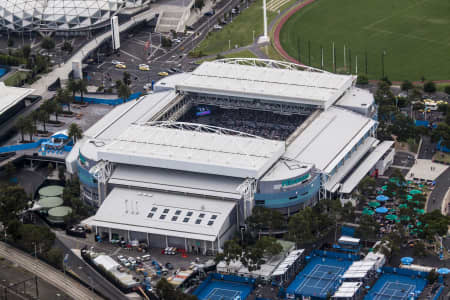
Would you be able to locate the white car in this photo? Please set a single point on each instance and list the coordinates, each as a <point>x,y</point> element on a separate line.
<point>116,62</point>
<point>176,41</point>
<point>217,27</point>
<point>132,260</point>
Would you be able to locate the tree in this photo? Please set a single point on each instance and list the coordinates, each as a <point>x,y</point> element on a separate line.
<point>416,95</point>
<point>40,236</point>
<point>348,212</point>
<point>407,86</point>
<point>166,291</point>
<point>82,88</point>
<point>29,127</point>
<point>166,42</point>
<point>67,46</point>
<point>21,125</point>
<point>366,185</point>
<point>13,200</point>
<point>48,43</point>
<point>432,276</point>
<point>447,89</point>
<point>75,132</point>
<point>61,173</point>
<point>10,170</point>
<point>63,97</point>
<point>199,4</point>
<point>362,79</point>
<point>264,218</point>
<point>437,224</point>
<point>55,257</point>
<point>429,87</point>
<point>49,107</point>
<point>124,92</point>
<point>43,117</point>
<point>26,51</point>
<point>442,133</point>
<point>126,78</point>
<point>13,229</point>
<point>269,245</point>
<point>72,87</point>
<point>368,227</point>
<point>419,249</point>
<point>231,251</point>
<point>302,226</point>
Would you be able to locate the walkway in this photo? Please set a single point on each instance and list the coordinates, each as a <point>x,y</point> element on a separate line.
<point>436,198</point>
<point>46,272</point>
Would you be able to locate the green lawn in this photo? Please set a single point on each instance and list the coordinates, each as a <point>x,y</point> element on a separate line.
<point>14,79</point>
<point>414,33</point>
<point>240,31</point>
<point>243,53</point>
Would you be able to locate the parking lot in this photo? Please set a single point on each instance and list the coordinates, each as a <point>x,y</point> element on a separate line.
<point>135,50</point>
<point>124,255</point>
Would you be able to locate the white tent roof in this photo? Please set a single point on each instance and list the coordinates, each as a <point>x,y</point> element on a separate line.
<point>329,138</point>
<point>106,261</point>
<point>197,151</point>
<point>347,290</point>
<point>163,213</point>
<point>246,81</point>
<point>348,239</point>
<point>288,262</point>
<point>10,96</point>
<point>359,269</point>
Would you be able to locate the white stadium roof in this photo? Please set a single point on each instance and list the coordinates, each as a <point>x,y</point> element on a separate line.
<point>198,151</point>
<point>281,85</point>
<point>177,181</point>
<point>347,290</point>
<point>10,96</point>
<point>329,137</point>
<point>163,213</point>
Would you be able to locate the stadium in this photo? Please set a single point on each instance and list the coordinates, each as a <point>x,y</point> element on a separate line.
<point>61,16</point>
<point>184,165</point>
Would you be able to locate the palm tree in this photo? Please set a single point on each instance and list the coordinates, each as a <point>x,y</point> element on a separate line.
<point>124,92</point>
<point>21,125</point>
<point>75,132</point>
<point>35,117</point>
<point>82,88</point>
<point>72,87</point>
<point>30,128</point>
<point>43,117</point>
<point>63,97</point>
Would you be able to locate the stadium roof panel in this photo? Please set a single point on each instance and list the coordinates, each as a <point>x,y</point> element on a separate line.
<point>283,85</point>
<point>163,213</point>
<point>11,96</point>
<point>328,138</point>
<point>197,151</point>
<point>177,181</point>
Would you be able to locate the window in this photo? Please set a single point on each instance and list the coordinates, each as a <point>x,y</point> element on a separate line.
<point>154,209</point>
<point>166,211</point>
<point>174,218</point>
<point>178,212</point>
<point>198,221</point>
<point>201,215</point>
<point>210,223</point>
<point>189,213</point>
<point>185,220</point>
<point>162,217</point>
<point>213,217</point>
<point>150,215</point>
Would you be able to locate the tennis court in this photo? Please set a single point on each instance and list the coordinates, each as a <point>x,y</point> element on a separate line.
<point>320,277</point>
<point>396,287</point>
<point>215,289</point>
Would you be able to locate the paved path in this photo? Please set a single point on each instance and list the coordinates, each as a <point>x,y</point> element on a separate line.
<point>46,272</point>
<point>437,196</point>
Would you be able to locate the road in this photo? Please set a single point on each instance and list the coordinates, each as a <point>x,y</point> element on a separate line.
<point>86,272</point>
<point>46,272</point>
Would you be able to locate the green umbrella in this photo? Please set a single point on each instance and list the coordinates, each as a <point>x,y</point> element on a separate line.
<point>409,182</point>
<point>403,206</point>
<point>374,204</point>
<point>392,210</point>
<point>394,180</point>
<point>368,212</point>
<point>421,185</point>
<point>414,192</point>
<point>405,218</point>
<point>419,223</point>
<point>384,187</point>
<point>408,197</point>
<point>410,226</point>
<point>420,211</point>
<point>391,217</point>
<point>380,192</point>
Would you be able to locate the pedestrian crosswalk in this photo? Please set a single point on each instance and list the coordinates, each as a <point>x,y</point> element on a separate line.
<point>275,5</point>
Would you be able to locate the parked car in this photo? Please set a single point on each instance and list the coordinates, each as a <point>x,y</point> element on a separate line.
<point>121,66</point>
<point>169,266</point>
<point>144,67</point>
<point>116,62</point>
<point>132,260</point>
<point>209,13</point>
<point>217,27</point>
<point>163,74</point>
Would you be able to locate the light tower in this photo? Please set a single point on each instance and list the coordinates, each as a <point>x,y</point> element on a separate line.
<point>265,38</point>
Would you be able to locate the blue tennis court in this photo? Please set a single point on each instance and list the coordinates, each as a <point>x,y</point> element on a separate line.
<point>396,287</point>
<point>214,289</point>
<point>320,277</point>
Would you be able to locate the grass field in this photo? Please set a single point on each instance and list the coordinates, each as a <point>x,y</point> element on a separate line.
<point>240,31</point>
<point>14,79</point>
<point>243,54</point>
<point>414,33</point>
